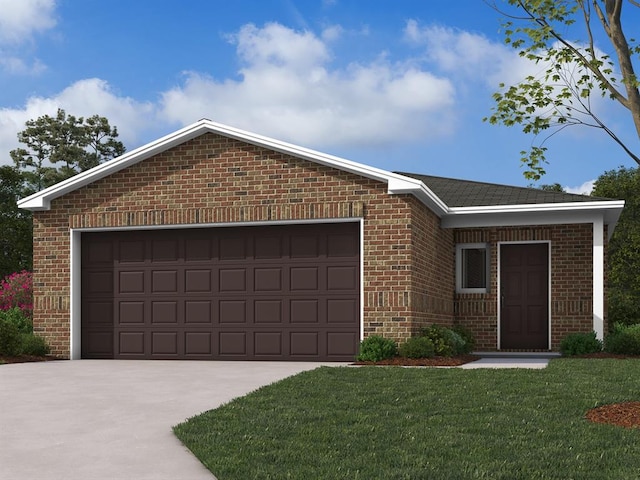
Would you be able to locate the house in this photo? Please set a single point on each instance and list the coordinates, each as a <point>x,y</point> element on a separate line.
<point>217,243</point>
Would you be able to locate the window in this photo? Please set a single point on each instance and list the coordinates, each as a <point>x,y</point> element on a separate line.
<point>472,268</point>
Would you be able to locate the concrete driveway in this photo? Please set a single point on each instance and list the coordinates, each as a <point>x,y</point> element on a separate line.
<point>112,419</point>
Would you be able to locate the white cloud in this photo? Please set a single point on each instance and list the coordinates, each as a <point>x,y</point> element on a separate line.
<point>288,90</point>
<point>467,55</point>
<point>19,19</point>
<point>83,98</point>
<point>585,189</point>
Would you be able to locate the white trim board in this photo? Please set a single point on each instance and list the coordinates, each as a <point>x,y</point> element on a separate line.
<point>75,300</point>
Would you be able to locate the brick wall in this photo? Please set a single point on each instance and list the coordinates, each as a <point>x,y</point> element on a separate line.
<point>571,281</point>
<point>214,179</point>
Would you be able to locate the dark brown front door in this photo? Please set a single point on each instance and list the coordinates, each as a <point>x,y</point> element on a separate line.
<point>524,296</point>
<point>288,292</point>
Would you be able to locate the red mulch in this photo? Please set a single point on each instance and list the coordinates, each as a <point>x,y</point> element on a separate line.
<point>26,358</point>
<point>626,414</point>
<point>425,362</point>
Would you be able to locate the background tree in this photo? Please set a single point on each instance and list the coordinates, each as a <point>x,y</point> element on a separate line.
<point>623,261</point>
<point>573,71</point>
<point>60,147</point>
<point>16,228</point>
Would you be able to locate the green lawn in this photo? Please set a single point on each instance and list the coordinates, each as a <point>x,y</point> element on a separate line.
<point>416,423</point>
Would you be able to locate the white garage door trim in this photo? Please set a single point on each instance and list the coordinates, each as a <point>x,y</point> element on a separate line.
<point>76,265</point>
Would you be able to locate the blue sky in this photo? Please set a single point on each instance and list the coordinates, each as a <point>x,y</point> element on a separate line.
<point>402,85</point>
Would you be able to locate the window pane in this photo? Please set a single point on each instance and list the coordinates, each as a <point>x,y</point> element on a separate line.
<point>474,268</point>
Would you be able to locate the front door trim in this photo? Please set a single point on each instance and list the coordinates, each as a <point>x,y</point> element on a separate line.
<point>499,293</point>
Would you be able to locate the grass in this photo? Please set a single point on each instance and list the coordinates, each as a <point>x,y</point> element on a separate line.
<point>399,423</point>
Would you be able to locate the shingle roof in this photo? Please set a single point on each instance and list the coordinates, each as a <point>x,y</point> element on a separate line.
<point>467,193</point>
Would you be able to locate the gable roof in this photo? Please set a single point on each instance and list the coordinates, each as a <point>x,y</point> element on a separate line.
<point>457,202</point>
<point>468,193</point>
<point>396,183</point>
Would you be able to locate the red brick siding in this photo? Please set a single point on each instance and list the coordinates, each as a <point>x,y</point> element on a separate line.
<point>213,179</point>
<point>571,281</point>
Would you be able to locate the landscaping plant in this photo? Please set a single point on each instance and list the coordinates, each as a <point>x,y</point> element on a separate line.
<point>376,348</point>
<point>580,344</point>
<point>417,347</point>
<point>16,290</point>
<point>623,340</point>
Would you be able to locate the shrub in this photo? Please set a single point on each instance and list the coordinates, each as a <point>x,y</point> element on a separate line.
<point>34,345</point>
<point>580,344</point>
<point>18,318</point>
<point>624,340</point>
<point>376,348</point>
<point>467,336</point>
<point>10,339</point>
<point>417,347</point>
<point>446,341</point>
<point>16,290</point>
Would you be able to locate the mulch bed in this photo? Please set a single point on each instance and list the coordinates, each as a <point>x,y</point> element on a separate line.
<point>425,362</point>
<point>26,359</point>
<point>626,414</point>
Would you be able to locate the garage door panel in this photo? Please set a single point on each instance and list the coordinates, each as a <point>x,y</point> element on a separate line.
<point>268,279</point>
<point>98,313</point>
<point>98,282</point>
<point>232,280</point>
<point>268,311</point>
<point>164,343</point>
<point>131,343</point>
<point>268,343</point>
<point>164,312</point>
<point>232,343</point>
<point>98,252</point>
<point>197,250</point>
<point>253,293</point>
<point>164,281</point>
<point>232,248</point>
<point>198,311</point>
<point>304,246</point>
<point>131,312</point>
<point>131,282</point>
<point>304,311</point>
<point>304,344</point>
<point>341,310</point>
<point>342,278</point>
<point>165,250</point>
<point>198,343</point>
<point>342,245</point>
<point>197,281</point>
<point>132,251</point>
<point>341,344</point>
<point>304,278</point>
<point>232,311</point>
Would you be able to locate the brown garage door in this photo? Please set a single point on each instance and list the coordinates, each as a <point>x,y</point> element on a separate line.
<point>247,293</point>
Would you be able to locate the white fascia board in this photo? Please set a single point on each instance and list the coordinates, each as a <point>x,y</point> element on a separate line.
<point>396,183</point>
<point>42,199</point>
<point>542,214</point>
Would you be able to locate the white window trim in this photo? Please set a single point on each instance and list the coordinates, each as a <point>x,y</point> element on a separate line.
<point>464,246</point>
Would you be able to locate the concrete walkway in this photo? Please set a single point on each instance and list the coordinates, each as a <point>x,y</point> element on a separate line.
<point>510,360</point>
<point>111,420</point>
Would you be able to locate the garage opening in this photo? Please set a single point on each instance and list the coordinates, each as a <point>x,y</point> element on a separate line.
<point>285,292</point>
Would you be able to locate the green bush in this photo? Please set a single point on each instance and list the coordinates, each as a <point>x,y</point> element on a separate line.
<point>376,348</point>
<point>10,339</point>
<point>33,345</point>
<point>623,339</point>
<point>417,347</point>
<point>580,344</point>
<point>17,317</point>
<point>467,336</point>
<point>448,342</point>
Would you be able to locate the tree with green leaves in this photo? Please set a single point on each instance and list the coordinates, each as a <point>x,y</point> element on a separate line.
<point>623,261</point>
<point>16,228</point>
<point>573,70</point>
<point>60,147</point>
